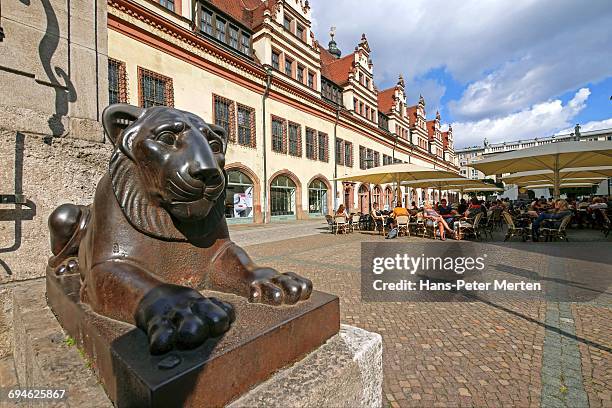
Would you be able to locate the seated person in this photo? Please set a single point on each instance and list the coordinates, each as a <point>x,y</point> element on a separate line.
<point>377,216</point>
<point>447,211</point>
<point>462,207</point>
<point>474,208</point>
<point>432,216</point>
<point>598,204</point>
<point>341,212</point>
<point>560,211</point>
<point>397,212</point>
<point>413,209</point>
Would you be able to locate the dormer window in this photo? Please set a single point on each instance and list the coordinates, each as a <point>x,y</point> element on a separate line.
<point>227,32</point>
<point>245,44</point>
<point>169,4</point>
<point>288,66</point>
<point>206,24</point>
<point>287,23</point>
<point>299,31</point>
<point>220,30</point>
<point>234,34</point>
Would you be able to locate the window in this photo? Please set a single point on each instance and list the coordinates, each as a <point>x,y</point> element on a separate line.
<point>220,34</point>
<point>356,104</point>
<point>376,159</point>
<point>339,151</point>
<point>299,31</point>
<point>275,60</point>
<point>367,81</point>
<point>246,126</point>
<point>206,23</point>
<point>311,144</point>
<point>239,197</point>
<point>362,158</point>
<point>278,135</point>
<point>348,154</point>
<point>300,74</point>
<point>287,23</point>
<point>330,91</point>
<point>117,79</point>
<point>245,42</point>
<point>282,196</point>
<point>223,114</point>
<point>323,147</point>
<point>154,89</point>
<point>169,4</point>
<point>387,160</point>
<point>288,66</point>
<point>317,197</point>
<point>383,121</point>
<point>234,34</point>
<point>311,80</point>
<point>295,148</point>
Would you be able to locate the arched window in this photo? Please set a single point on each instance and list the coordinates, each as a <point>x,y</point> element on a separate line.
<point>377,197</point>
<point>317,198</point>
<point>282,196</point>
<point>239,198</point>
<point>389,197</point>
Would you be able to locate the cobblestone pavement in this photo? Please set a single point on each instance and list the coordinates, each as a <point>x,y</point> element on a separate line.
<point>482,353</point>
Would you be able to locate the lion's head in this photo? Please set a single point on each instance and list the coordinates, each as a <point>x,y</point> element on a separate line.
<point>167,168</point>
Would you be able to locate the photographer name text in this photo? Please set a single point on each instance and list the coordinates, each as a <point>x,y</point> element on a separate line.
<point>458,285</point>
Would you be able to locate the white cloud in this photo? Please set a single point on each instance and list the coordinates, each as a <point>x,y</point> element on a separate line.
<point>513,54</point>
<point>542,119</point>
<point>592,125</point>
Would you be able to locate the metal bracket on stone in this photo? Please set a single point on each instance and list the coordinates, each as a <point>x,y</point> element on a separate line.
<point>12,198</point>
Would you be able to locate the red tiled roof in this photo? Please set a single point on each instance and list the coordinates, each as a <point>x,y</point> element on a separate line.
<point>385,100</point>
<point>337,70</point>
<point>247,12</point>
<point>431,124</point>
<point>411,111</point>
<point>445,138</point>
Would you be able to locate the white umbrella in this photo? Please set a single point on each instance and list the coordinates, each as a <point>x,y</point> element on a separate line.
<point>396,173</point>
<point>458,183</point>
<point>552,156</point>
<point>483,189</point>
<point>594,173</point>
<point>562,185</point>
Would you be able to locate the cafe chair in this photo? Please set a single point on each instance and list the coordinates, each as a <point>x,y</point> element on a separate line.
<point>402,225</point>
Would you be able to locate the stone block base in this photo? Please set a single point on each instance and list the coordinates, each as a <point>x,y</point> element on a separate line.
<point>346,371</point>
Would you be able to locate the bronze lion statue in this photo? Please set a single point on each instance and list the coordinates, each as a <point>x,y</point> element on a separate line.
<point>156,233</point>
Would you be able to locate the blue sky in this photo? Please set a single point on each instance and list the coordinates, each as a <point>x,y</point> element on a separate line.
<point>501,70</point>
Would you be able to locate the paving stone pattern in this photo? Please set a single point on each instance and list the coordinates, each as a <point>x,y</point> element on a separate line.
<point>502,353</point>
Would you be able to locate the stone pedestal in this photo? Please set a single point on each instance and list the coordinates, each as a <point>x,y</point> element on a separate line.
<point>346,371</point>
<point>261,341</point>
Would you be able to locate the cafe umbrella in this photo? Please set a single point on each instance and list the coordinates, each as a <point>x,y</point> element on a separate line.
<point>397,173</point>
<point>552,156</point>
<point>455,184</point>
<point>547,176</point>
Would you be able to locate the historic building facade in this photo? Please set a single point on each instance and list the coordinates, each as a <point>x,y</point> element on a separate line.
<point>297,114</point>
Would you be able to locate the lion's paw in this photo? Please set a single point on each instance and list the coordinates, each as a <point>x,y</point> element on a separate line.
<point>274,288</point>
<point>179,317</point>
